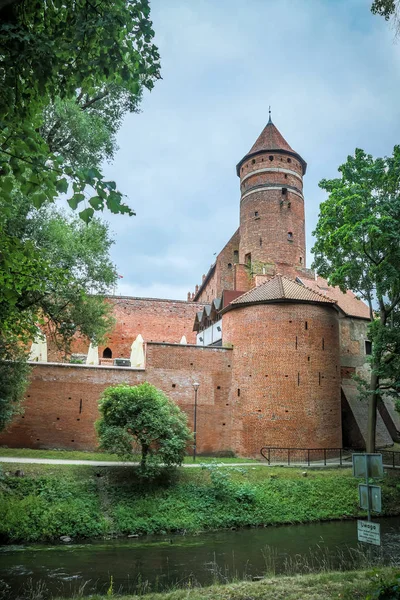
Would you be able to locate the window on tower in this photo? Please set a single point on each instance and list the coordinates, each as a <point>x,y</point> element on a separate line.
<point>236,256</point>
<point>289,160</point>
<point>107,353</point>
<point>271,158</point>
<point>247,259</point>
<point>256,213</point>
<point>284,191</point>
<point>289,235</point>
<point>253,162</point>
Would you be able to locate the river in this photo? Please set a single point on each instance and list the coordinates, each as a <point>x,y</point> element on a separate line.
<point>161,562</point>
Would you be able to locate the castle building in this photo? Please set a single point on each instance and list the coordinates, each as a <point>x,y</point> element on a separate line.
<point>272,345</point>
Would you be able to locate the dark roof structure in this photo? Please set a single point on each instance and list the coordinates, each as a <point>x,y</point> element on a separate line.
<point>271,139</point>
<point>279,289</point>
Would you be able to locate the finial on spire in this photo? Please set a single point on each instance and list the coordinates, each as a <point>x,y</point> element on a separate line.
<point>269,111</point>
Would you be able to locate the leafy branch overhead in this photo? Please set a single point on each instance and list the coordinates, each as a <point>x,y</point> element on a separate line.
<point>89,57</point>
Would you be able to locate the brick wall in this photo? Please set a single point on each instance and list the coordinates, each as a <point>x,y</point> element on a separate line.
<point>61,402</point>
<point>223,276</point>
<point>156,320</point>
<point>267,216</point>
<point>286,378</point>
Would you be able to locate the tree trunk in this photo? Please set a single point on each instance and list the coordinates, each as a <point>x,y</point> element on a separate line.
<point>372,413</point>
<point>145,451</point>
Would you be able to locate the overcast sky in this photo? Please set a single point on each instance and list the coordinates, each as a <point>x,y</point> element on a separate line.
<point>331,72</point>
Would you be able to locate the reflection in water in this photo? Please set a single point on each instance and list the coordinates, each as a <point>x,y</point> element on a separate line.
<point>157,563</point>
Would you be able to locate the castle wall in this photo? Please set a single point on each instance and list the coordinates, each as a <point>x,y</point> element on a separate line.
<point>286,378</point>
<point>156,320</point>
<point>61,401</point>
<point>223,274</point>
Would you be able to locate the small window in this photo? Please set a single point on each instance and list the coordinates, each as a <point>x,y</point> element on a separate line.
<point>368,347</point>
<point>253,162</point>
<point>256,213</point>
<point>284,191</point>
<point>236,256</point>
<point>260,242</point>
<point>229,265</point>
<point>290,235</point>
<point>107,353</point>
<point>305,325</point>
<point>238,392</point>
<point>301,260</point>
<point>289,160</point>
<point>247,259</point>
<point>271,158</point>
<point>285,175</point>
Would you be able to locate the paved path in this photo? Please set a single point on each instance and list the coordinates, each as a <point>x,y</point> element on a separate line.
<point>104,463</point>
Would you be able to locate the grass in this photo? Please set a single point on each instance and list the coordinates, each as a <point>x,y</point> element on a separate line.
<point>85,501</point>
<point>351,585</point>
<point>101,456</point>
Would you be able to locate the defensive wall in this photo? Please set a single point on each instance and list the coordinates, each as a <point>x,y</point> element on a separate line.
<point>155,319</point>
<point>61,402</point>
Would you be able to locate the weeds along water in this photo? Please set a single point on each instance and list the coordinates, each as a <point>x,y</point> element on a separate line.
<point>317,560</point>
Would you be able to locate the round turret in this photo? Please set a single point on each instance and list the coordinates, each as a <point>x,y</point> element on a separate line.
<point>272,221</point>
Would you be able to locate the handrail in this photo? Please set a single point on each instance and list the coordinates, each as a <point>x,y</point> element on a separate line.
<point>391,458</point>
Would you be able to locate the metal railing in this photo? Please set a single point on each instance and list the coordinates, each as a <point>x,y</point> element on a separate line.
<point>305,456</point>
<point>322,456</point>
<point>390,458</point>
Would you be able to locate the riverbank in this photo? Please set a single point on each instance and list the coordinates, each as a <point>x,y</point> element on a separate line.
<point>49,501</point>
<point>351,585</point>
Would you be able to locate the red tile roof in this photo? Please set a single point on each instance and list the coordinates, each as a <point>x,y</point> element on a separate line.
<point>280,288</point>
<point>347,301</point>
<point>270,139</point>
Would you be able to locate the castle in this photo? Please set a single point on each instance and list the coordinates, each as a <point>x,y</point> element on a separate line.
<point>272,346</point>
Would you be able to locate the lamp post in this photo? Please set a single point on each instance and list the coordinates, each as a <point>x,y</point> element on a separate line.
<point>195,387</point>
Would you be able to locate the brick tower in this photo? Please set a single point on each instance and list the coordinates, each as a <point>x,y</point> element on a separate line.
<point>272,224</point>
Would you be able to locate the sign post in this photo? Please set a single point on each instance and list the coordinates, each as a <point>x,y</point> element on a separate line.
<point>368,465</point>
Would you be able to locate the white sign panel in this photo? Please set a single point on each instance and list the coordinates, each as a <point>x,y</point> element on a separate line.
<point>369,532</point>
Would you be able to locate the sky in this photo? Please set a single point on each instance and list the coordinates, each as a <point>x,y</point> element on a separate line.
<point>330,71</point>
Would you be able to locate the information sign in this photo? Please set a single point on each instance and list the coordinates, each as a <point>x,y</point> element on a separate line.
<point>375,501</point>
<point>367,465</point>
<point>369,532</point>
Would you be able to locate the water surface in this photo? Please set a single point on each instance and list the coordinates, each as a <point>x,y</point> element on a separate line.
<point>161,562</point>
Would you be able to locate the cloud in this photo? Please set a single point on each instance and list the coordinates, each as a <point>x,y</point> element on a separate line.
<point>329,70</point>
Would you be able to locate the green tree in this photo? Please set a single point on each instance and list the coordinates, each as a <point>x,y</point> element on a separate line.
<point>54,271</point>
<point>142,415</point>
<point>63,280</point>
<point>357,247</point>
<point>390,10</point>
<point>79,51</point>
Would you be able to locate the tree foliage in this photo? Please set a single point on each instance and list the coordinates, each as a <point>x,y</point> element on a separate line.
<point>81,52</point>
<point>357,247</point>
<point>142,415</point>
<point>390,10</point>
<point>58,276</point>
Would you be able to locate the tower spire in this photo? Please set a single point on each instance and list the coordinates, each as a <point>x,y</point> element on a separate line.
<point>269,111</point>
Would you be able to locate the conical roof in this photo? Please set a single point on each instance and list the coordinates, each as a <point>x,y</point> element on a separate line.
<point>279,289</point>
<point>271,139</point>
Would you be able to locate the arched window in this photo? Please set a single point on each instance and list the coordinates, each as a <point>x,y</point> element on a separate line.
<point>107,353</point>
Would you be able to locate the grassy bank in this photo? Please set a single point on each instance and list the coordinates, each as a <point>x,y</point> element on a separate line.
<point>84,501</point>
<point>351,585</point>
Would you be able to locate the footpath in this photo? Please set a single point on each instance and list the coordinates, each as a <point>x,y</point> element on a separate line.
<point>104,463</point>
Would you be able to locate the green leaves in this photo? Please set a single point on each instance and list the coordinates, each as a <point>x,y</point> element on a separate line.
<point>86,214</point>
<point>357,248</point>
<point>142,415</point>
